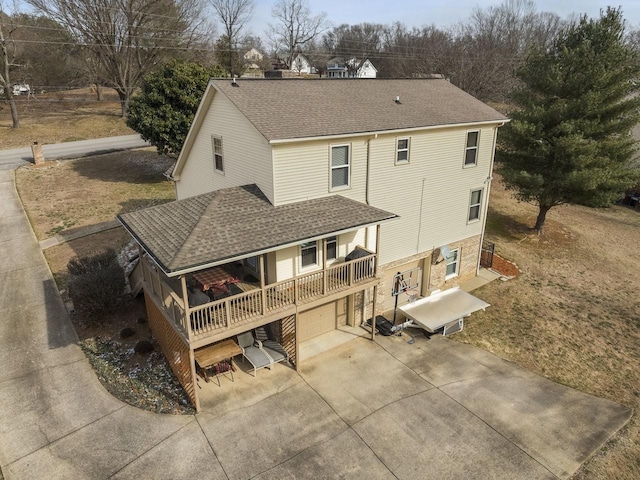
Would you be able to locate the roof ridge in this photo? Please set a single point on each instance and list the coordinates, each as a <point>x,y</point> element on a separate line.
<point>218,196</point>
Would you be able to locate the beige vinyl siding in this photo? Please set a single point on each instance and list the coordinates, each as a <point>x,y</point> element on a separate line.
<point>286,262</point>
<point>302,170</point>
<point>430,193</point>
<point>246,154</point>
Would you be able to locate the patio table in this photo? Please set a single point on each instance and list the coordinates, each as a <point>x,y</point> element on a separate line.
<point>212,355</point>
<point>214,277</point>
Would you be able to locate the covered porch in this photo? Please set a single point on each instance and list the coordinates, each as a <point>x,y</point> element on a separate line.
<point>221,264</point>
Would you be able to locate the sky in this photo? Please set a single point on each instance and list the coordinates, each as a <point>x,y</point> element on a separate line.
<point>443,13</point>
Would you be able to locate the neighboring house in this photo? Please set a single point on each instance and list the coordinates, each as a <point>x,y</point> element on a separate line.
<point>253,60</point>
<point>353,68</point>
<point>302,225</point>
<point>301,65</point>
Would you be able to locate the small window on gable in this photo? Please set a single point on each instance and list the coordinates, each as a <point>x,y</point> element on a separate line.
<point>340,166</point>
<point>402,150</point>
<point>332,248</point>
<point>471,150</point>
<point>308,254</point>
<point>475,203</point>
<point>453,264</point>
<point>218,161</point>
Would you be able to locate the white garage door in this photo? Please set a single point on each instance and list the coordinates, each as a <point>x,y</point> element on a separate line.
<point>317,321</point>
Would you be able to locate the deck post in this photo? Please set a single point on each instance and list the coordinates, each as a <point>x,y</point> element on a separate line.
<point>194,377</point>
<point>373,314</point>
<point>262,291</point>
<point>377,249</point>
<point>324,266</point>
<point>185,299</point>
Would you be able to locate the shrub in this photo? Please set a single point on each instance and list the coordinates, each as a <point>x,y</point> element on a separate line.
<point>96,282</point>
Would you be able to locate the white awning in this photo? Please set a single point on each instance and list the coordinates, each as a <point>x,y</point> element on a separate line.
<point>442,308</point>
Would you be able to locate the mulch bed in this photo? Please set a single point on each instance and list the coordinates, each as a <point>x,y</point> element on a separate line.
<point>504,267</point>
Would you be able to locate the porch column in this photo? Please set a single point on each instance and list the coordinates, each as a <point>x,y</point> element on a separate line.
<point>263,294</point>
<point>297,365</point>
<point>187,313</point>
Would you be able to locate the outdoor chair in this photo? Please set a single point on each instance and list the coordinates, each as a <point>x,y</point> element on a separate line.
<point>271,347</point>
<point>251,350</point>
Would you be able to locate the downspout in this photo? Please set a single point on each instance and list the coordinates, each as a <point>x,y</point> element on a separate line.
<point>486,200</point>
<point>366,188</point>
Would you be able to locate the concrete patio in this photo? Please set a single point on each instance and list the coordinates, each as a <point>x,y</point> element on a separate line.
<point>433,409</point>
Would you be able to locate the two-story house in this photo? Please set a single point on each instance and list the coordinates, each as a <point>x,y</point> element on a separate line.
<point>299,201</point>
<point>337,67</point>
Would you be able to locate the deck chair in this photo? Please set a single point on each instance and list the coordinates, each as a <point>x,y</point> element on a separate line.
<point>271,347</point>
<point>251,350</point>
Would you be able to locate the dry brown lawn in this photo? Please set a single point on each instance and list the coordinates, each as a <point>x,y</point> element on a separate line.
<point>69,194</point>
<point>573,315</point>
<point>62,117</point>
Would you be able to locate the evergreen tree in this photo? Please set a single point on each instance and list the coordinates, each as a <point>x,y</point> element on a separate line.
<point>164,109</point>
<point>569,141</point>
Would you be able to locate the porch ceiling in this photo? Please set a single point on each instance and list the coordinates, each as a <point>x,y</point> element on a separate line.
<point>231,223</point>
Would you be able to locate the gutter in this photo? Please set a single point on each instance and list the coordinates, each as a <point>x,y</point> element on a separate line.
<point>279,141</point>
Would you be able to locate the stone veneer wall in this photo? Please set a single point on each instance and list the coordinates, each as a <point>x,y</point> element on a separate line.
<point>469,251</point>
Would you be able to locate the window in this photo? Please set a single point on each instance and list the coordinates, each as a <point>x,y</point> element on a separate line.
<point>340,166</point>
<point>471,151</point>
<point>453,262</point>
<point>474,205</point>
<point>332,248</point>
<point>402,150</point>
<point>309,254</point>
<point>217,154</point>
<point>253,263</point>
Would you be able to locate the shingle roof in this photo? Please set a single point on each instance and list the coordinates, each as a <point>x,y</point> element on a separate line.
<point>229,223</point>
<point>290,108</point>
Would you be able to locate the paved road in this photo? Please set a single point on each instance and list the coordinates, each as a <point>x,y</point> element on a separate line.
<point>10,159</point>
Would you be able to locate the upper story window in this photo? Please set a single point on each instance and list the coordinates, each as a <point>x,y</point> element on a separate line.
<point>340,166</point>
<point>471,150</point>
<point>218,161</point>
<point>332,248</point>
<point>402,150</point>
<point>308,254</point>
<point>474,205</point>
<point>453,264</point>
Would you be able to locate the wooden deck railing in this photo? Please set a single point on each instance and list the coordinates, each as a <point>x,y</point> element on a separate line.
<point>210,318</point>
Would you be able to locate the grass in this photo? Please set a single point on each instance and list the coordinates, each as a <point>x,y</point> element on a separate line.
<point>573,314</point>
<point>62,117</point>
<point>78,193</point>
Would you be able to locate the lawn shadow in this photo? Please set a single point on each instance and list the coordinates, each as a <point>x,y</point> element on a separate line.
<point>142,166</point>
<point>505,227</point>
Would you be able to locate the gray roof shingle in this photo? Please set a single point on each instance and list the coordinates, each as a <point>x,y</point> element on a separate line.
<point>233,222</point>
<point>293,108</point>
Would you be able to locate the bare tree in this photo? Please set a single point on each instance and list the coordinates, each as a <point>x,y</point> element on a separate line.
<point>294,26</point>
<point>7,55</point>
<point>128,38</point>
<point>234,15</point>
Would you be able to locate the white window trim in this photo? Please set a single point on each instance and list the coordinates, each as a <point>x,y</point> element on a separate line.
<point>466,149</point>
<point>213,145</point>
<point>315,265</point>
<point>455,251</point>
<point>474,220</point>
<point>408,150</point>
<point>327,241</point>
<point>332,168</point>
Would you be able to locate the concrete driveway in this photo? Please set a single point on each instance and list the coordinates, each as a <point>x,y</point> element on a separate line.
<point>389,410</point>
